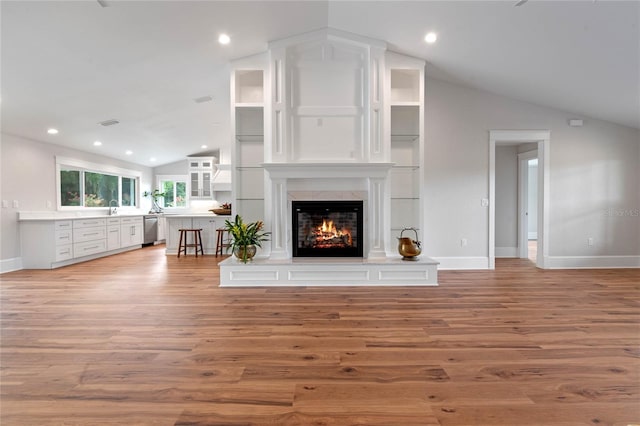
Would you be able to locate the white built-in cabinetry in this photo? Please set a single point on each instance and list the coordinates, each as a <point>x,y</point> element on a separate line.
<point>405,77</point>
<point>131,231</point>
<point>248,153</point>
<point>201,171</point>
<point>48,244</point>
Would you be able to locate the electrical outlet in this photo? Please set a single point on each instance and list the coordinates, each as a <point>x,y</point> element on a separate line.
<point>16,204</point>
<point>463,242</point>
<point>590,241</point>
<point>484,202</point>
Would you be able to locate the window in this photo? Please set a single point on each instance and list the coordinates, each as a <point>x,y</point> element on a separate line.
<point>100,189</point>
<point>128,194</point>
<point>70,187</point>
<point>82,184</point>
<point>175,190</point>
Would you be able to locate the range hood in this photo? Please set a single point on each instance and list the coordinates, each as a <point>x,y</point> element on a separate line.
<point>222,178</point>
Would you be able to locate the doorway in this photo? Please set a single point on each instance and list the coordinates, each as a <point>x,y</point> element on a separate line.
<point>541,139</point>
<point>528,204</point>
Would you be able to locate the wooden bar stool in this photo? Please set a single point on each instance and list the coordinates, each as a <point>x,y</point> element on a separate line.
<point>197,241</point>
<point>221,242</point>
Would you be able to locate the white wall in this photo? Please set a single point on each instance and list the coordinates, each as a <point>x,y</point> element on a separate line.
<point>593,169</point>
<point>28,173</point>
<point>506,200</point>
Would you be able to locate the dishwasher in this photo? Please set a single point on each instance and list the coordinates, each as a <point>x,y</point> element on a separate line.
<point>150,229</point>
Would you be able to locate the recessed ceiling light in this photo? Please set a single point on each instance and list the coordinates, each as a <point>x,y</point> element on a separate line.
<point>97,143</point>
<point>431,38</point>
<point>203,146</point>
<point>128,152</point>
<point>52,131</point>
<point>152,159</point>
<point>224,39</point>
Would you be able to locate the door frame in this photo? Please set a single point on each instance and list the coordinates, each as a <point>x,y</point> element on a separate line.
<point>507,137</point>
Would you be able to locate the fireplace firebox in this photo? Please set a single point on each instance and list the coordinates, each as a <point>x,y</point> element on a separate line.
<point>327,228</point>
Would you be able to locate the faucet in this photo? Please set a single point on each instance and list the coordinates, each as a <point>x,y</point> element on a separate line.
<point>113,209</point>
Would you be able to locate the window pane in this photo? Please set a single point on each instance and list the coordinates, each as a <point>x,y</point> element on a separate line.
<point>100,189</point>
<point>181,194</point>
<point>128,191</point>
<point>70,187</point>
<point>167,188</point>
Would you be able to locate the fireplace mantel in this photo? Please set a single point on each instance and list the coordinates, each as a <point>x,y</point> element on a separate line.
<point>314,170</point>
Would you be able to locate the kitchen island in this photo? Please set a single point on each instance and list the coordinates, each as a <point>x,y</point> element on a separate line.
<point>208,222</point>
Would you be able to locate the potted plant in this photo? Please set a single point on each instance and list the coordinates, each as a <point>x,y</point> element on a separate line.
<point>246,237</point>
<point>155,195</point>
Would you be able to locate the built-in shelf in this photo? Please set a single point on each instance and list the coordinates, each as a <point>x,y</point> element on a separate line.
<point>249,138</point>
<point>404,138</point>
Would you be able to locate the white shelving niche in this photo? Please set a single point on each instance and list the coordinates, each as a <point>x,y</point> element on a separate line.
<point>406,144</point>
<point>249,148</point>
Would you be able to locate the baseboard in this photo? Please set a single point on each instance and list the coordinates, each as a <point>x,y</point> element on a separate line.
<point>591,262</point>
<point>533,235</point>
<point>506,251</point>
<point>8,265</point>
<point>462,263</point>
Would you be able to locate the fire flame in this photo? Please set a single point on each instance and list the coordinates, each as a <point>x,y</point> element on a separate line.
<point>327,231</point>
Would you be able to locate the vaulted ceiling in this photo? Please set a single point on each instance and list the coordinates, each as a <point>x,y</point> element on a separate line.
<point>73,64</point>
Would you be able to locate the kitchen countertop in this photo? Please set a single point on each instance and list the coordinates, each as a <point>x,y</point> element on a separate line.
<point>67,215</point>
<point>51,215</point>
<point>183,215</point>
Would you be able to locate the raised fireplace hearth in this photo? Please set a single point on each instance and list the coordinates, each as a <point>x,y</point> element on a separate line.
<point>327,228</point>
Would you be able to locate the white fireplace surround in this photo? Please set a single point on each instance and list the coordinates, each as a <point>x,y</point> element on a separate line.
<point>366,181</point>
<point>329,115</point>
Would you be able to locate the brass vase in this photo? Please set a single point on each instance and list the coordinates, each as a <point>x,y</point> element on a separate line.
<point>409,249</point>
<point>245,253</point>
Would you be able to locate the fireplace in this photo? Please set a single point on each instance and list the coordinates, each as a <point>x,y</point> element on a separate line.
<point>327,228</point>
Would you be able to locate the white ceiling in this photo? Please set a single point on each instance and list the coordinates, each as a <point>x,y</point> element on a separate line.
<point>73,64</point>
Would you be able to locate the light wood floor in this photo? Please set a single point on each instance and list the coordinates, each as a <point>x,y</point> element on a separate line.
<point>141,338</point>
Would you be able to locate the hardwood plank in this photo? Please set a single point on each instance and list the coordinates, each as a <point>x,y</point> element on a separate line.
<point>142,338</point>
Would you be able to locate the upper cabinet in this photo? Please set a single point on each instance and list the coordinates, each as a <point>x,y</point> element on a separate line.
<point>201,171</point>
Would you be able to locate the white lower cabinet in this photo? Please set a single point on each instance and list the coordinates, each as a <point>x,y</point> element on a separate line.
<point>89,247</point>
<point>113,233</point>
<point>48,244</point>
<point>207,224</point>
<point>208,232</point>
<point>131,231</point>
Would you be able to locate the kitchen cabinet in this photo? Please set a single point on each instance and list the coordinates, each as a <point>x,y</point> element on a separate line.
<point>208,224</point>
<point>49,243</point>
<point>113,233</point>
<point>201,170</point>
<point>131,232</point>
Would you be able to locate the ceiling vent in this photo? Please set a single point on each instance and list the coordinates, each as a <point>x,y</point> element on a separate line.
<point>109,122</point>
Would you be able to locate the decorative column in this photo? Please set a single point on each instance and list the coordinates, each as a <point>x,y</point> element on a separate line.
<point>377,211</point>
<point>280,219</point>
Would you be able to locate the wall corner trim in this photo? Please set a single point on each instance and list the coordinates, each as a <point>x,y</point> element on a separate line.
<point>9,265</point>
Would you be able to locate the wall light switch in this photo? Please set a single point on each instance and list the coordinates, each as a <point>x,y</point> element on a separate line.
<point>463,242</point>
<point>5,204</point>
<point>484,202</point>
<point>16,204</point>
<point>590,241</point>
